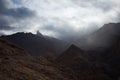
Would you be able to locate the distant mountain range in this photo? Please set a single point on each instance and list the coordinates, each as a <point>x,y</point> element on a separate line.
<point>37,44</point>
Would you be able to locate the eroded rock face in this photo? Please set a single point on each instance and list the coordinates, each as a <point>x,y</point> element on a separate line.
<point>16,64</point>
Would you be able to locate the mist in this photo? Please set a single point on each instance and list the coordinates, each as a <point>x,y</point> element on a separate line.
<point>68,20</point>
<point>107,36</point>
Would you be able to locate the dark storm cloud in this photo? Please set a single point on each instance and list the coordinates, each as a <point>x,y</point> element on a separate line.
<point>9,14</point>
<point>3,21</point>
<point>3,4</point>
<point>5,28</point>
<point>19,13</point>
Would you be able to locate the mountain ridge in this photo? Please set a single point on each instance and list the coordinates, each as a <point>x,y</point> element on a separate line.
<point>105,37</point>
<point>37,44</point>
<point>78,61</point>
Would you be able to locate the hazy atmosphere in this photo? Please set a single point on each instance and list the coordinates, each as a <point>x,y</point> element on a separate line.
<point>59,18</point>
<point>59,39</point>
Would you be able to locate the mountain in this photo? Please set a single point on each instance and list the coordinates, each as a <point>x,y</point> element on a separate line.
<point>70,54</point>
<point>37,44</point>
<point>103,47</point>
<point>78,61</point>
<point>112,59</point>
<point>17,64</point>
<point>97,59</point>
<point>39,34</point>
<point>105,37</point>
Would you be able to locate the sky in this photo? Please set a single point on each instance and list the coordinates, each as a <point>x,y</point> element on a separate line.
<point>65,19</point>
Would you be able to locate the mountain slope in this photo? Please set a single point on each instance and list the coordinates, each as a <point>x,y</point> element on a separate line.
<point>112,58</point>
<point>37,44</point>
<point>16,64</point>
<point>105,37</point>
<point>78,61</point>
<point>103,47</point>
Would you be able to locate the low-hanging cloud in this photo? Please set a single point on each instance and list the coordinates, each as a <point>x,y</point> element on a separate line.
<point>66,19</point>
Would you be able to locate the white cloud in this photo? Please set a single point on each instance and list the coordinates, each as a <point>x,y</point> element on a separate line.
<point>69,18</point>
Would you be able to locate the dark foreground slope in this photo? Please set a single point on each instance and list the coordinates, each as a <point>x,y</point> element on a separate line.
<point>16,64</point>
<point>37,44</point>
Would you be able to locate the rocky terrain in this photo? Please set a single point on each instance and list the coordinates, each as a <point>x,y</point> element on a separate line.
<point>17,64</point>
<point>97,59</point>
<point>78,61</point>
<point>97,56</point>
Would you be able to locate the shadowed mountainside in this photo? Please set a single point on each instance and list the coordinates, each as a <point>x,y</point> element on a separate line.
<point>37,44</point>
<point>16,64</point>
<point>104,47</point>
<point>97,59</point>
<point>100,57</point>
<point>78,61</point>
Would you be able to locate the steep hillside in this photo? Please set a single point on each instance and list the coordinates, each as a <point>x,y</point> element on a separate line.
<point>112,58</point>
<point>103,46</point>
<point>78,61</point>
<point>37,44</point>
<point>16,64</point>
